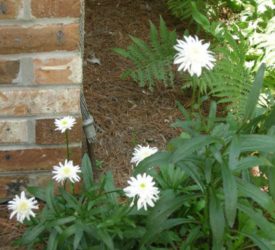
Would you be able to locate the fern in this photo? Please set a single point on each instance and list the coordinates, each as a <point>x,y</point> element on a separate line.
<point>151,62</point>
<point>230,80</point>
<point>180,8</point>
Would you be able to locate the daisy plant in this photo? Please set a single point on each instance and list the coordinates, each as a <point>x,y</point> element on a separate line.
<point>143,188</point>
<point>142,152</point>
<point>64,125</point>
<point>22,207</point>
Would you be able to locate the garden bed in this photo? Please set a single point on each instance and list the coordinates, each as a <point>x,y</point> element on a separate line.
<point>124,113</point>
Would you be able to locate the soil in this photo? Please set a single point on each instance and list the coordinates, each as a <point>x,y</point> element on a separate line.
<point>125,114</point>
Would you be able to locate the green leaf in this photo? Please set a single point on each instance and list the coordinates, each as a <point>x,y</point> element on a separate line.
<point>259,143</point>
<point>193,235</point>
<point>253,96</point>
<point>193,171</point>
<point>267,227</point>
<point>61,221</point>
<point>263,244</point>
<point>199,17</point>
<point>270,120</point>
<point>253,192</point>
<point>106,239</point>
<point>52,241</point>
<point>217,221</point>
<point>190,146</point>
<point>158,219</point>
<point>78,236</point>
<point>212,115</point>
<point>50,196</point>
<point>271,180</point>
<point>38,192</point>
<point>230,195</point>
<point>234,152</point>
<point>71,201</point>
<point>33,233</point>
<point>87,172</point>
<point>154,160</point>
<point>110,187</point>
<point>249,162</point>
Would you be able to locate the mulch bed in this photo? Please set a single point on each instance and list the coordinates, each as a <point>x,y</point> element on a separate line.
<point>125,114</point>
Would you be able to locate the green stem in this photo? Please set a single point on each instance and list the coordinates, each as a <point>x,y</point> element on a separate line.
<point>208,217</point>
<point>67,144</point>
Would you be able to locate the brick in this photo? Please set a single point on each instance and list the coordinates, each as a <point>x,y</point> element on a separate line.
<point>9,9</point>
<point>8,71</point>
<point>11,185</point>
<point>46,133</point>
<point>58,70</point>
<point>13,131</point>
<point>39,38</point>
<point>53,8</point>
<point>14,184</point>
<point>35,159</point>
<point>21,102</point>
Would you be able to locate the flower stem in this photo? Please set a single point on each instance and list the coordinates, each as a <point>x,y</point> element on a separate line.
<point>67,144</point>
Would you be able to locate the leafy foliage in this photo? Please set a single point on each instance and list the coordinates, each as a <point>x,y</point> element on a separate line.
<point>151,62</point>
<point>230,80</point>
<point>232,211</point>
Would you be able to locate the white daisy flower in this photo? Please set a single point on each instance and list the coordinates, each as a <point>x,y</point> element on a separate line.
<point>144,188</point>
<point>192,55</point>
<point>64,123</point>
<point>22,207</point>
<point>142,152</point>
<point>66,171</point>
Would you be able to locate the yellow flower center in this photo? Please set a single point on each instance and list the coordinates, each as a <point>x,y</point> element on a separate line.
<point>64,122</point>
<point>142,185</point>
<point>66,171</point>
<point>146,154</point>
<point>23,206</point>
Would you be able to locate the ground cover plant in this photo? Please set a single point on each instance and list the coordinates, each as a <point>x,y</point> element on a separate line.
<point>198,193</point>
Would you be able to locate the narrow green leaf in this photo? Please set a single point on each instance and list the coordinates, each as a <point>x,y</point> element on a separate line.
<point>109,187</point>
<point>193,235</point>
<point>234,152</point>
<point>154,160</point>
<point>261,143</point>
<point>253,96</point>
<point>199,17</point>
<point>190,146</point>
<point>217,221</point>
<point>38,192</point>
<point>230,195</point>
<point>263,244</point>
<point>61,221</point>
<point>87,172</point>
<point>106,239</point>
<point>32,234</point>
<point>77,237</point>
<point>267,227</point>
<point>253,192</point>
<point>212,115</point>
<point>121,52</point>
<point>271,180</point>
<point>52,241</point>
<point>50,196</point>
<point>270,120</point>
<point>249,162</point>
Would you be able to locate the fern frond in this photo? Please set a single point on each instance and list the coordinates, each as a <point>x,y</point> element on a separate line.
<point>151,61</point>
<point>180,8</point>
<point>229,80</point>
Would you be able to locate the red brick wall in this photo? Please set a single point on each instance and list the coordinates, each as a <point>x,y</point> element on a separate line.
<point>41,45</point>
